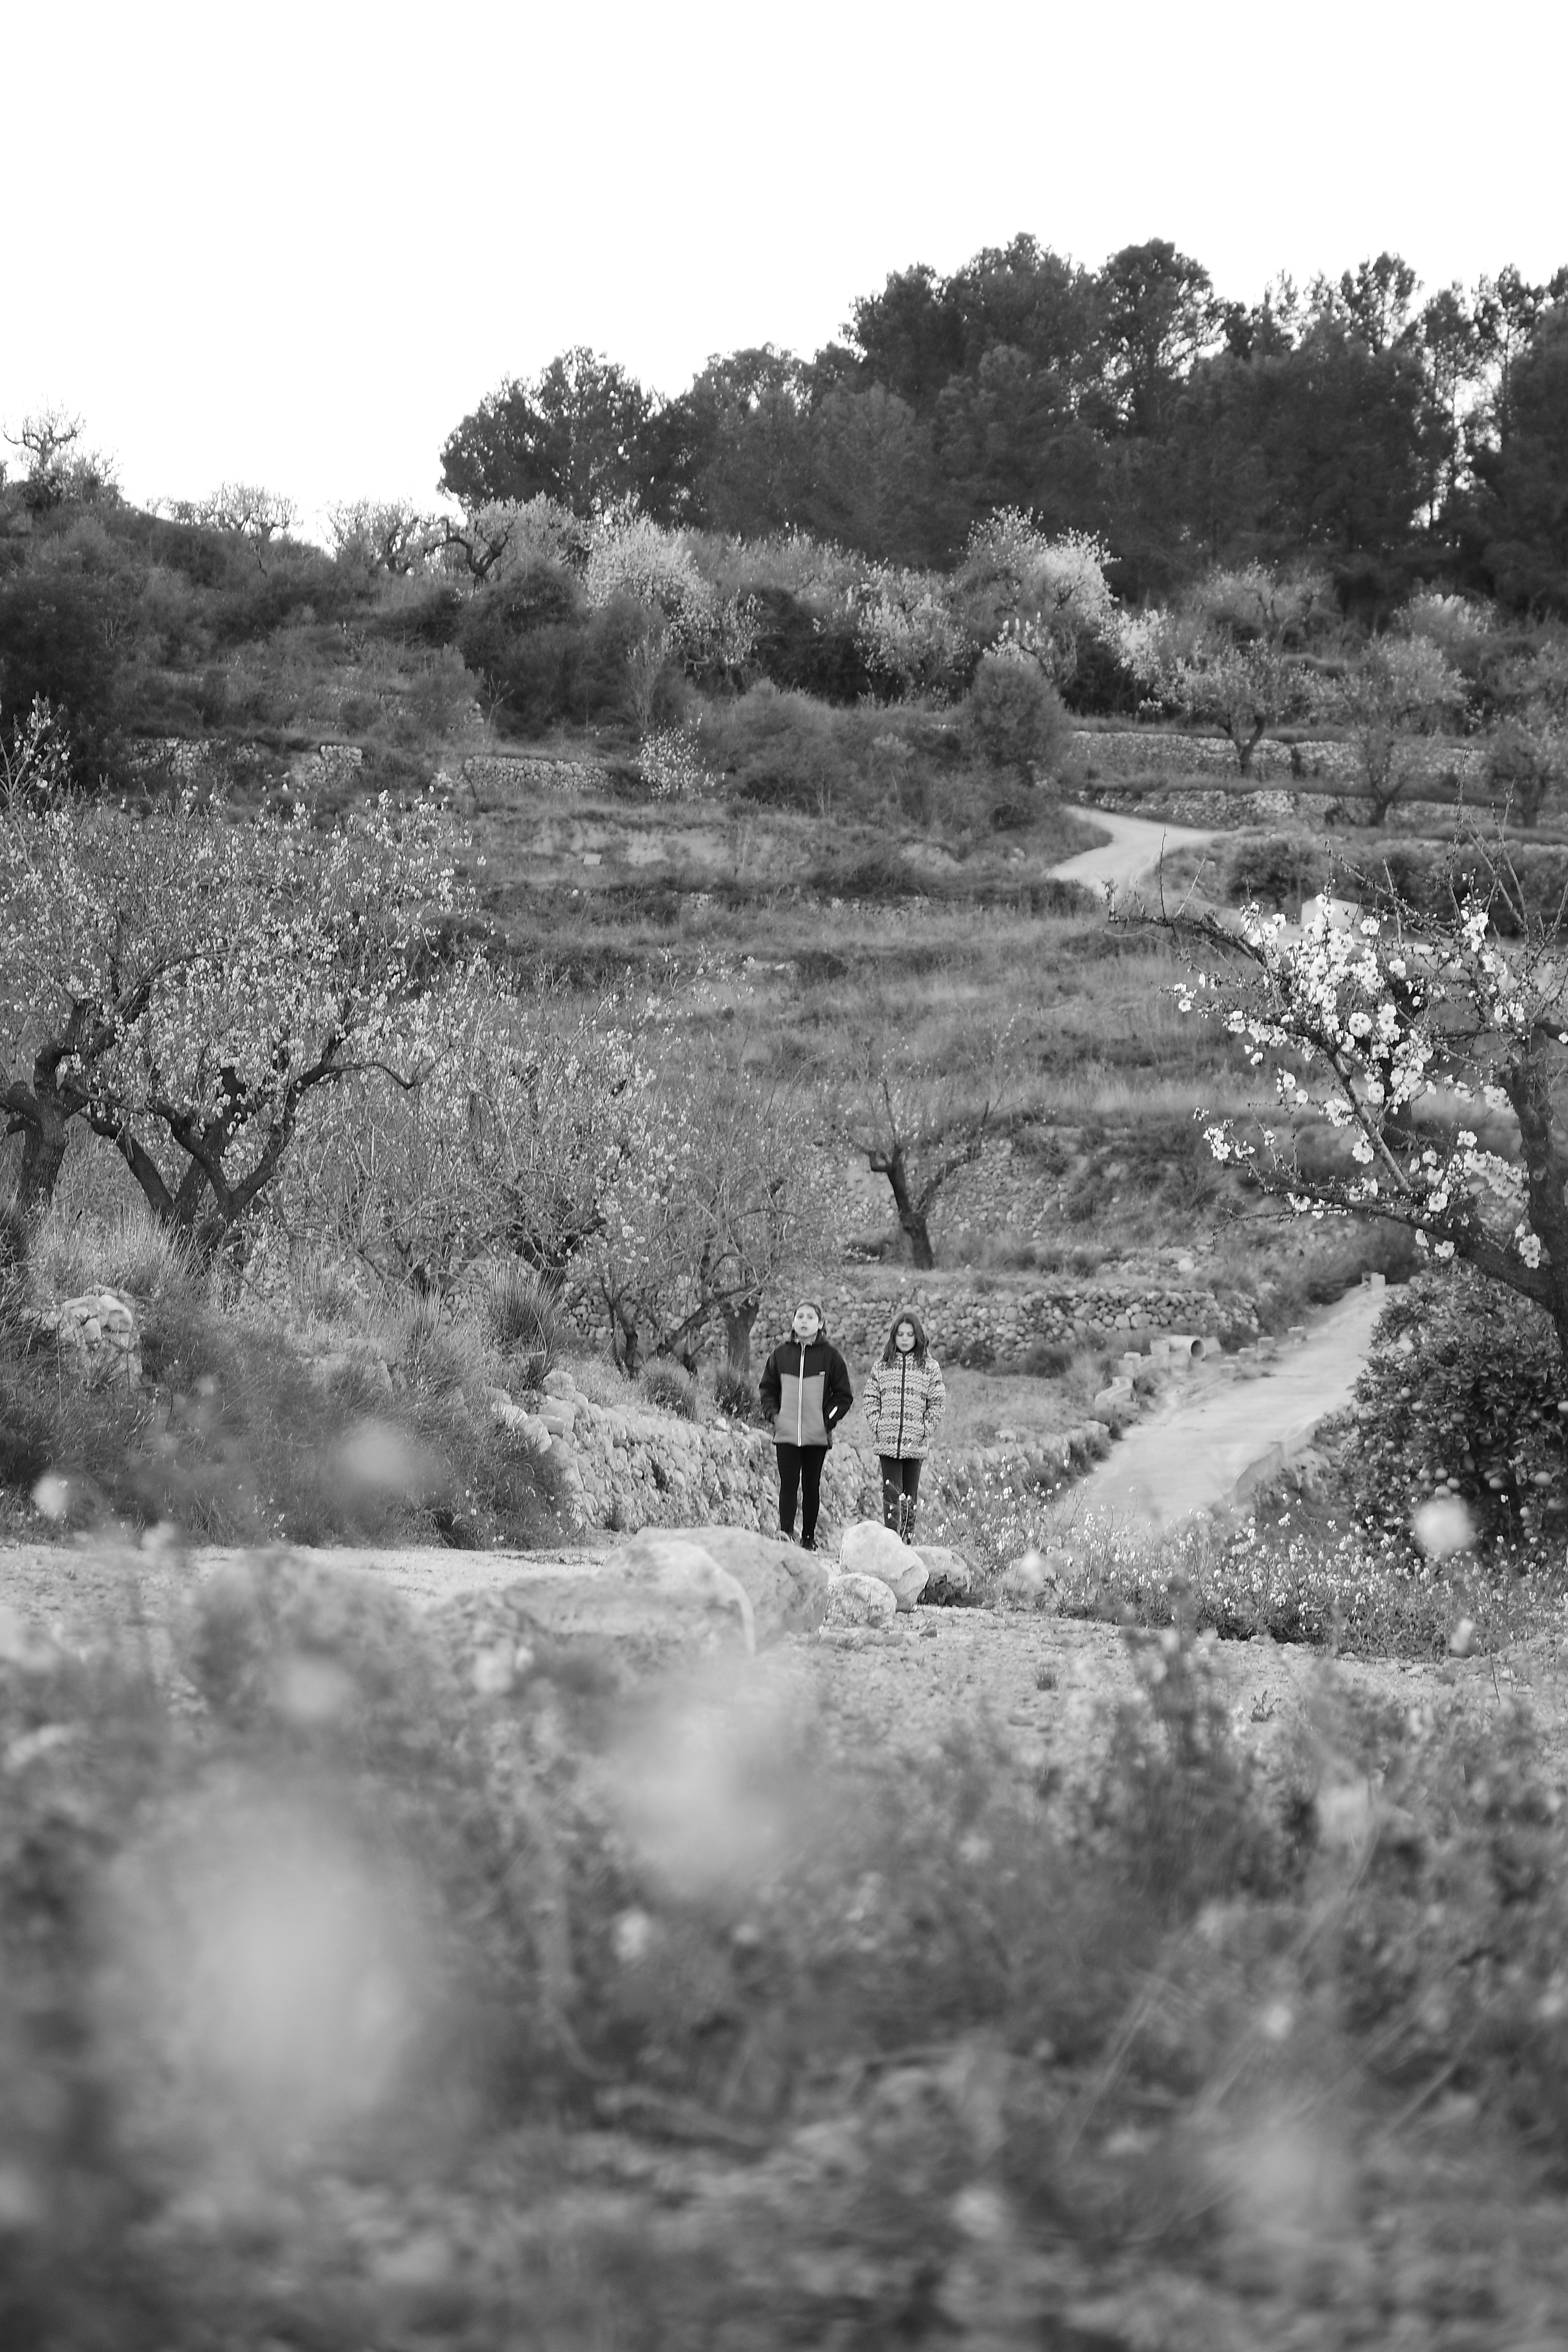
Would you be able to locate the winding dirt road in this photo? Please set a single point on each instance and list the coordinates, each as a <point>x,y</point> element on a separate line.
<point>1134,848</point>
<point>1235,1427</point>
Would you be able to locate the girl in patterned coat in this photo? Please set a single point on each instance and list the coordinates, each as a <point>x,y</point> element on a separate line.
<point>904,1400</point>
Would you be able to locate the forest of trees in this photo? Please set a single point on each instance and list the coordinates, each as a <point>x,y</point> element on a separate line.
<point>1168,505</point>
<point>1395,439</point>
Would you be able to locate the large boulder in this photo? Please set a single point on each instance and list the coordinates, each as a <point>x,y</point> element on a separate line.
<point>679,1571</point>
<point>859,1600</point>
<point>788,1588</point>
<point>868,1549</point>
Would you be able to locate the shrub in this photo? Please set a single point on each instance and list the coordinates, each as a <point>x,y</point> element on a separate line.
<point>734,1394</point>
<point>246,1441</point>
<point>1276,869</point>
<point>523,1318</point>
<point>1460,1399</point>
<point>1013,717</point>
<point>665,1384</point>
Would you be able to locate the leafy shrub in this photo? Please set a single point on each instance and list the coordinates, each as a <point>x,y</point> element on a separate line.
<point>1531,881</point>
<point>665,1384</point>
<point>1460,1399</point>
<point>1013,717</point>
<point>1276,869</point>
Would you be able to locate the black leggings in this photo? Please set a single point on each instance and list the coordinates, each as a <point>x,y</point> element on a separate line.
<point>900,1487</point>
<point>800,1472</point>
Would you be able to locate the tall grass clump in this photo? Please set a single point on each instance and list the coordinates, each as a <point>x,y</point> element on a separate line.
<point>121,1246</point>
<point>523,1318</point>
<point>671,1388</point>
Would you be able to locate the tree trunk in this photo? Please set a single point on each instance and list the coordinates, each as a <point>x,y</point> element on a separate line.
<point>1529,1089</point>
<point>43,1157</point>
<point>912,1218</point>
<point>739,1321</point>
<point>41,1115</point>
<point>914,1223</point>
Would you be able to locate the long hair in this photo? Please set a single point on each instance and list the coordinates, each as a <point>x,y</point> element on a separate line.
<point>890,1352</point>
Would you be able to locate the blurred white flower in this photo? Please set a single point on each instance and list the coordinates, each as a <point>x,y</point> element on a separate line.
<point>1444,1526</point>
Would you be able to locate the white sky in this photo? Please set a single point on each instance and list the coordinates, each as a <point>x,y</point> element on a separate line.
<point>294,243</point>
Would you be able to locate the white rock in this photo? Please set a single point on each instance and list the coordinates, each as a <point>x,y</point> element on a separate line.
<point>868,1549</point>
<point>678,1570</point>
<point>559,1383</point>
<point>856,1600</point>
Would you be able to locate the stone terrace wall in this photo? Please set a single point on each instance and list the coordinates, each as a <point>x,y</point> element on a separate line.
<point>1135,750</point>
<point>974,1326</point>
<point>486,772</point>
<point>1316,780</point>
<point>633,1466</point>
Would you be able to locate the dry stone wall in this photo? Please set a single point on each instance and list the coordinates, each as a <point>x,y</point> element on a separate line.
<point>1318,779</point>
<point>978,1326</point>
<point>488,773</point>
<point>1135,750</point>
<point>631,1466</point>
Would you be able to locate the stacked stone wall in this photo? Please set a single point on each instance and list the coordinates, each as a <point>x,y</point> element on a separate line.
<point>975,1325</point>
<point>970,1325</point>
<point>486,772</point>
<point>1323,761</point>
<point>631,1466</point>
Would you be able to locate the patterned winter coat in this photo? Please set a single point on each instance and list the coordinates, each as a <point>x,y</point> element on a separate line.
<point>904,1403</point>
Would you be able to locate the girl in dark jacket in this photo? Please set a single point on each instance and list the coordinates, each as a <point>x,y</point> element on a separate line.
<point>806,1392</point>
<point>904,1398</point>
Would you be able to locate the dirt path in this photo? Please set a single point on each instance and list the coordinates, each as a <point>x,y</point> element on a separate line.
<point>1236,1427</point>
<point>1135,845</point>
<point>1036,1687</point>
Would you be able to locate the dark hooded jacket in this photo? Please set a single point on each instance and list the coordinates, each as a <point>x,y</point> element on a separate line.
<point>806,1392</point>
